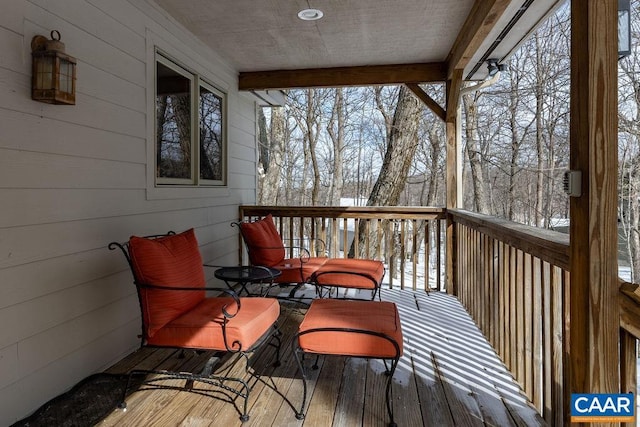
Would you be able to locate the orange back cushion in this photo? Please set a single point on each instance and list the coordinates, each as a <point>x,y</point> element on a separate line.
<point>167,261</point>
<point>263,241</point>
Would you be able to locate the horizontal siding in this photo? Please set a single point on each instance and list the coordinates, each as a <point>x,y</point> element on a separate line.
<point>74,178</point>
<point>25,169</point>
<point>54,205</point>
<point>40,385</point>
<point>64,138</point>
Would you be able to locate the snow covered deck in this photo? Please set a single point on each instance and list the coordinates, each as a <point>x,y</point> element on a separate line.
<point>449,375</point>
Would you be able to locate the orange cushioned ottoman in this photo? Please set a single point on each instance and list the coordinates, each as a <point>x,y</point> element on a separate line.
<point>349,273</point>
<point>353,328</point>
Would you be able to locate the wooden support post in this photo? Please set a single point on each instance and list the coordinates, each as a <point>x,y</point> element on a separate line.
<point>593,306</point>
<point>453,99</point>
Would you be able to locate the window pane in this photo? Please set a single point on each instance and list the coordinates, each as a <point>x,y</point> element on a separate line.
<point>173,124</point>
<point>211,137</point>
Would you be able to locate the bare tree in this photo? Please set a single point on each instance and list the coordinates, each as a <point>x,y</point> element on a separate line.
<point>402,142</point>
<point>629,144</point>
<point>336,129</point>
<point>480,190</point>
<point>271,155</point>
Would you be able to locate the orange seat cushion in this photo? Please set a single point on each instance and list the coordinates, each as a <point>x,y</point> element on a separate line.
<point>350,273</point>
<point>167,261</point>
<point>263,242</point>
<point>295,271</point>
<point>375,316</point>
<point>201,327</point>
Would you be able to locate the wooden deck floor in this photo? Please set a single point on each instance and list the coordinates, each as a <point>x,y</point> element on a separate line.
<point>449,376</point>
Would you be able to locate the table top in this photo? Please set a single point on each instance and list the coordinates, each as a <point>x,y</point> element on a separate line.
<point>246,273</point>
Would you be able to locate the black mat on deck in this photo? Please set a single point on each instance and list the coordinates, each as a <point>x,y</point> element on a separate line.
<point>86,404</point>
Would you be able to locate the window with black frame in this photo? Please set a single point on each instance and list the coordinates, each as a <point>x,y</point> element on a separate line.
<point>190,128</point>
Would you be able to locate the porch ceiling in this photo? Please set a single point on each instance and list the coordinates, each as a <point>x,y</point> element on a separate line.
<point>267,35</point>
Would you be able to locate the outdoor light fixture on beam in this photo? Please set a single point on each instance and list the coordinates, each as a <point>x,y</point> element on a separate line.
<point>624,28</point>
<point>493,67</point>
<point>54,72</point>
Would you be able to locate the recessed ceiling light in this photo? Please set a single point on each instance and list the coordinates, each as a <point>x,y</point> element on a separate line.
<point>310,14</point>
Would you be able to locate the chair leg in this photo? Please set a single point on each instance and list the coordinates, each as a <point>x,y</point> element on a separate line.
<point>315,366</point>
<point>207,370</point>
<point>277,334</point>
<point>296,351</point>
<point>292,293</point>
<point>389,399</point>
<point>123,402</point>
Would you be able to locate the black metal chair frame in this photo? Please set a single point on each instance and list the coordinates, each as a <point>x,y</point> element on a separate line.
<point>206,376</point>
<point>330,288</point>
<point>389,370</point>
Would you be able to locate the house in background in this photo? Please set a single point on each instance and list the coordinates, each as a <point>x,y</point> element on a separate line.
<point>75,177</point>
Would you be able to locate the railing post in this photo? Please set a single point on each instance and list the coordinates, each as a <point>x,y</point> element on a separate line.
<point>628,370</point>
<point>451,257</point>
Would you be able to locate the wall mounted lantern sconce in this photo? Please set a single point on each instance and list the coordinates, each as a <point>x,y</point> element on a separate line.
<point>54,72</point>
<point>624,28</point>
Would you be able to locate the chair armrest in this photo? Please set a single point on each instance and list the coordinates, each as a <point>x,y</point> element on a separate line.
<point>296,251</point>
<point>300,252</point>
<point>228,292</point>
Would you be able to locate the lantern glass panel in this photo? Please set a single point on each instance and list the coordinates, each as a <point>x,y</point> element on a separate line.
<point>66,76</point>
<point>44,80</point>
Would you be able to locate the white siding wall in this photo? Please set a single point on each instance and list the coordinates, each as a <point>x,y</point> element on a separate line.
<point>74,178</point>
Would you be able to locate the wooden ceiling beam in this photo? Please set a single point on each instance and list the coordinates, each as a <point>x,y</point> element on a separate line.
<point>344,76</point>
<point>427,100</point>
<point>481,20</point>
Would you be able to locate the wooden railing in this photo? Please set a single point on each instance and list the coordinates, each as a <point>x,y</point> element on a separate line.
<point>409,240</point>
<point>513,280</point>
<point>629,336</point>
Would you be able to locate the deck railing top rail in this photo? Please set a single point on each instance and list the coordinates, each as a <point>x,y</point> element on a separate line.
<point>548,245</point>
<point>375,212</point>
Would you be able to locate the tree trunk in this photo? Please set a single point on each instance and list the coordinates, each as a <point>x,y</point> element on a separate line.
<point>401,146</point>
<point>480,196</point>
<point>271,155</point>
<point>515,152</point>
<point>312,140</point>
<point>539,134</point>
<point>337,137</point>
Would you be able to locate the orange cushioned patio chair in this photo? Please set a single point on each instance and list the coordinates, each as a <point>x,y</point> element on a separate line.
<point>177,313</point>
<point>266,248</point>
<point>369,329</point>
